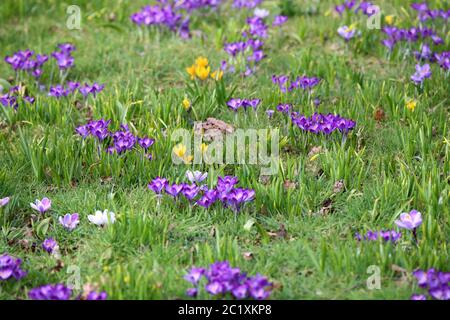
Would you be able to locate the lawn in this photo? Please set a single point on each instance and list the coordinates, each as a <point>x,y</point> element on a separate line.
<point>311,226</point>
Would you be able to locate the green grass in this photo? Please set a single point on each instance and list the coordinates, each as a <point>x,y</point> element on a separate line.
<point>388,167</point>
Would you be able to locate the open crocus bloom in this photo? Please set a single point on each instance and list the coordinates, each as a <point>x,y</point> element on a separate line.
<point>4,202</point>
<point>41,205</point>
<point>70,221</point>
<point>102,218</point>
<point>410,220</point>
<point>196,176</point>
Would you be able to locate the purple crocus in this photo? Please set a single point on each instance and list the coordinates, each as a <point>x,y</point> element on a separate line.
<point>194,275</point>
<point>222,279</point>
<point>97,296</point>
<point>69,221</point>
<point>347,32</point>
<point>418,297</point>
<point>10,267</point>
<point>190,191</point>
<point>422,73</point>
<point>410,220</point>
<point>174,190</point>
<point>157,185</point>
<point>279,21</point>
<point>50,292</point>
<point>41,205</point>
<point>4,201</point>
<point>146,142</point>
<point>49,245</point>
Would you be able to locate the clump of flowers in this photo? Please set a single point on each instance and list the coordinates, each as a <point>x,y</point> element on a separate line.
<point>320,123</point>
<point>121,141</point>
<point>385,235</point>
<point>71,87</point>
<point>249,4</point>
<point>60,292</point>
<point>287,85</point>
<point>425,13</point>
<point>14,96</point>
<point>27,61</point>
<point>50,292</point>
<point>10,267</point>
<point>202,70</point>
<point>235,103</point>
<point>436,282</point>
<point>173,15</point>
<point>246,53</point>
<point>413,34</point>
<point>225,191</point>
<point>223,281</point>
<point>366,7</point>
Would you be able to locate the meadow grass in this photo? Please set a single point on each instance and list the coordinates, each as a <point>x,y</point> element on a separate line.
<point>388,167</point>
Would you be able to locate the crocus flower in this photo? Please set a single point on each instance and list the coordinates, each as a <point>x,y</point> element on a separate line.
<point>279,20</point>
<point>41,205</point>
<point>69,221</point>
<point>49,245</point>
<point>196,176</point>
<point>347,32</point>
<point>157,185</point>
<point>4,201</point>
<point>93,295</point>
<point>418,297</point>
<point>410,220</point>
<point>102,218</point>
<point>10,267</point>
<point>422,73</point>
<point>50,292</point>
<point>174,189</point>
<point>146,142</point>
<point>222,279</point>
<point>261,13</point>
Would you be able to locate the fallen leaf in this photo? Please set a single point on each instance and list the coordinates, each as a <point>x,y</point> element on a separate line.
<point>379,115</point>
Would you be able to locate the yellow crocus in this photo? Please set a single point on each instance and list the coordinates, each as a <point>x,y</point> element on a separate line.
<point>179,150</point>
<point>191,71</point>
<point>186,104</point>
<point>203,147</point>
<point>201,62</point>
<point>411,105</point>
<point>217,75</point>
<point>187,159</point>
<point>202,73</point>
<point>389,19</point>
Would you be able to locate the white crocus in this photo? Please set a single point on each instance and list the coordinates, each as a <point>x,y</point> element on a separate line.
<point>102,218</point>
<point>261,13</point>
